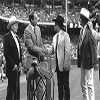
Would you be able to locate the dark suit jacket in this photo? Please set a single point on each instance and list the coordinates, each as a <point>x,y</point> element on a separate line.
<point>87,53</point>
<point>11,53</point>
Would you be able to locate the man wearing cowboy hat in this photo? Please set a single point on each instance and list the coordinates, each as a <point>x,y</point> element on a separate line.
<point>61,49</point>
<point>87,56</point>
<point>12,53</point>
<point>96,35</point>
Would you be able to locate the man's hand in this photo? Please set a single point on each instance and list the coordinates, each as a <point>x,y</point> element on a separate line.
<point>49,49</point>
<point>45,50</point>
<point>96,67</point>
<point>20,65</point>
<point>30,73</point>
<point>90,25</point>
<point>15,67</point>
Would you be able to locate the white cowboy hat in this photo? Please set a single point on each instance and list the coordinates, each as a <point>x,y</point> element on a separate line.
<point>12,21</point>
<point>84,12</point>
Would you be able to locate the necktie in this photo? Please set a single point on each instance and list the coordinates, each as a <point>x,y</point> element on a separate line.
<point>18,46</point>
<point>35,35</point>
<point>17,37</point>
<point>57,42</point>
<point>57,68</point>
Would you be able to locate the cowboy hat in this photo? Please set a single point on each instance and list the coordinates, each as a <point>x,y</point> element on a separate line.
<point>12,21</point>
<point>59,20</point>
<point>84,12</point>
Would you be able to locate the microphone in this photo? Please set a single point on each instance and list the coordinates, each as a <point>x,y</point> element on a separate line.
<point>97,5</point>
<point>93,15</point>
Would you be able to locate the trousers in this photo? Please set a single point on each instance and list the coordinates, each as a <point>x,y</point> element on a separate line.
<point>13,88</point>
<point>63,85</point>
<point>87,84</point>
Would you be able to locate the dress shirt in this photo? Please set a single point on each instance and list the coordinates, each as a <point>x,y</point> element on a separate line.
<point>16,41</point>
<point>59,36</point>
<point>82,34</point>
<point>33,28</point>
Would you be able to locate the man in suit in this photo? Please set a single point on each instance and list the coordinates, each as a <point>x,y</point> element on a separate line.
<point>61,49</point>
<point>35,51</point>
<point>87,56</point>
<point>13,56</point>
<point>97,38</point>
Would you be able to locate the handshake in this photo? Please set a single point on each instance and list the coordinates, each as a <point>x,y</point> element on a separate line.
<point>46,50</point>
<point>17,68</point>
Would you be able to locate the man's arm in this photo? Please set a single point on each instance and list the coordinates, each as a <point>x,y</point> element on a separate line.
<point>67,52</point>
<point>50,49</point>
<point>93,51</point>
<point>29,43</point>
<point>6,52</point>
<point>95,34</point>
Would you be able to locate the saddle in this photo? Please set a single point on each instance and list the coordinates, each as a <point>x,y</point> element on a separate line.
<point>40,68</point>
<point>43,71</point>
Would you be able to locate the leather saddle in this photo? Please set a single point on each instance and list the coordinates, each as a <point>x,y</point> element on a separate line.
<point>41,68</point>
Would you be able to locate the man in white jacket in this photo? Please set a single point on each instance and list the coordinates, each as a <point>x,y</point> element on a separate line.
<point>61,49</point>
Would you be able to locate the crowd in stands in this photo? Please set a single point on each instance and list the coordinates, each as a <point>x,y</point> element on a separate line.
<point>43,15</point>
<point>73,20</point>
